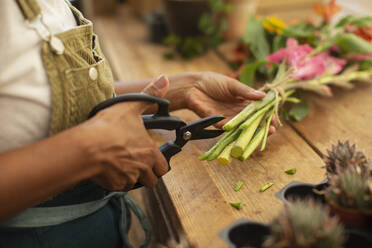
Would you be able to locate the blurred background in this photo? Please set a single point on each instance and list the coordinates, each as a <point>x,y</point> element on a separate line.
<point>290,11</point>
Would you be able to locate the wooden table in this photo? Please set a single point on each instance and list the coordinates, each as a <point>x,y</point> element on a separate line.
<point>191,203</point>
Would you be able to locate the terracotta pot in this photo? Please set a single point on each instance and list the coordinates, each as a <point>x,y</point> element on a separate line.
<point>238,18</point>
<point>350,217</point>
<point>183,16</point>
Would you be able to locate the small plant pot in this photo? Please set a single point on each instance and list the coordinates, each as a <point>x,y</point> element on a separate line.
<point>245,233</point>
<point>183,16</point>
<point>358,239</point>
<point>298,190</point>
<point>156,26</point>
<point>350,217</point>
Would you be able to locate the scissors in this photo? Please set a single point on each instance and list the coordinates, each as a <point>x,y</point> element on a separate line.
<point>163,120</point>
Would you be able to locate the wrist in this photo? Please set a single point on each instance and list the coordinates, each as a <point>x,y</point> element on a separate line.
<point>87,149</point>
<point>180,86</point>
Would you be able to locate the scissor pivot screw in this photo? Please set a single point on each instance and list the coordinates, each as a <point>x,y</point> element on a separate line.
<point>187,135</point>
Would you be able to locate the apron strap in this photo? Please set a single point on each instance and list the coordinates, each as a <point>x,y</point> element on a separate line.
<point>30,9</point>
<point>127,203</point>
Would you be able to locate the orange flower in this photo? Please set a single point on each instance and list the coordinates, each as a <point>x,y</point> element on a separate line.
<point>365,33</point>
<point>327,11</point>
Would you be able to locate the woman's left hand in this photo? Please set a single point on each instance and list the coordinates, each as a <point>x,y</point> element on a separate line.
<point>210,93</point>
<point>216,94</point>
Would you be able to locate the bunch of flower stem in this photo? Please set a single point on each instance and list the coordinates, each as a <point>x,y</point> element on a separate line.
<point>250,128</point>
<point>247,130</point>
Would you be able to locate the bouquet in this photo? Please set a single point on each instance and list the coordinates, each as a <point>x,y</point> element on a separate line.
<point>304,56</point>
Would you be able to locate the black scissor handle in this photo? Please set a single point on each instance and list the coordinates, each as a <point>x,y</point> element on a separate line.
<point>168,149</point>
<point>163,104</point>
<point>160,120</point>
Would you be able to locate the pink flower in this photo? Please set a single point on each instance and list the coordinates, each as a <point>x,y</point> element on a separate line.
<point>306,67</point>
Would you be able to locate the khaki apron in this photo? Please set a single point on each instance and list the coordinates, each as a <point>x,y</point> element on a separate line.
<point>79,78</point>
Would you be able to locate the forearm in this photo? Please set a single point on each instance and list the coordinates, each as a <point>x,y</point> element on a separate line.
<point>33,174</point>
<point>178,85</point>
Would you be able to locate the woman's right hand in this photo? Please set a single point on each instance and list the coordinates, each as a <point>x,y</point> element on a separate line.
<point>120,146</point>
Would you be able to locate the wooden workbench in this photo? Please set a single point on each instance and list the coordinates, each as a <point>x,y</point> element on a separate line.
<point>191,203</point>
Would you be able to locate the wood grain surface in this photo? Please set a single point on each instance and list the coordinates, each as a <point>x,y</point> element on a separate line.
<point>345,116</point>
<point>200,192</point>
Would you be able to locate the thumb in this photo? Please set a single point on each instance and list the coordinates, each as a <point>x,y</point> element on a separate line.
<point>158,87</point>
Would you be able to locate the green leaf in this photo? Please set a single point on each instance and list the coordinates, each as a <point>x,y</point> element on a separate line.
<point>172,40</point>
<point>291,171</point>
<point>191,47</point>
<point>238,186</point>
<point>254,36</point>
<point>299,111</point>
<point>237,205</point>
<point>301,30</point>
<point>357,21</point>
<point>217,5</point>
<point>284,114</point>
<point>168,55</point>
<point>344,21</point>
<point>248,73</point>
<point>362,21</point>
<point>223,26</point>
<point>206,24</point>
<point>365,65</point>
<point>279,42</point>
<point>229,8</point>
<point>350,43</point>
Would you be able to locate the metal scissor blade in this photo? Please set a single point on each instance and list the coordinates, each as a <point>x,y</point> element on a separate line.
<point>197,131</point>
<point>206,122</point>
<point>208,134</point>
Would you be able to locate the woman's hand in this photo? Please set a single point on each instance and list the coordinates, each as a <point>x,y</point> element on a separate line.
<point>209,93</point>
<point>121,146</point>
<point>215,93</point>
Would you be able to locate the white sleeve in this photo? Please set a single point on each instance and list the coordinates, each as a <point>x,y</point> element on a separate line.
<point>25,102</point>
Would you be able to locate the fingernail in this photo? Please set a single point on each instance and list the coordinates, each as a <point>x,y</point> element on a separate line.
<point>258,92</point>
<point>160,82</point>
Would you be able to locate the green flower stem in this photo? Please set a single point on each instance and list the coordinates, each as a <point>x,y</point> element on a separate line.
<point>206,154</point>
<point>344,77</point>
<point>239,118</point>
<point>225,158</point>
<point>253,144</point>
<point>232,137</point>
<point>257,115</point>
<point>245,137</point>
<point>252,107</point>
<point>267,127</point>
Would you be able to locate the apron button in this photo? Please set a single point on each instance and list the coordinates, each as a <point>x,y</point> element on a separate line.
<point>93,73</point>
<point>57,45</point>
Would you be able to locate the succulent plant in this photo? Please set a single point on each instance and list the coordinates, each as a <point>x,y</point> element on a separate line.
<point>305,224</point>
<point>351,188</point>
<point>343,155</point>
